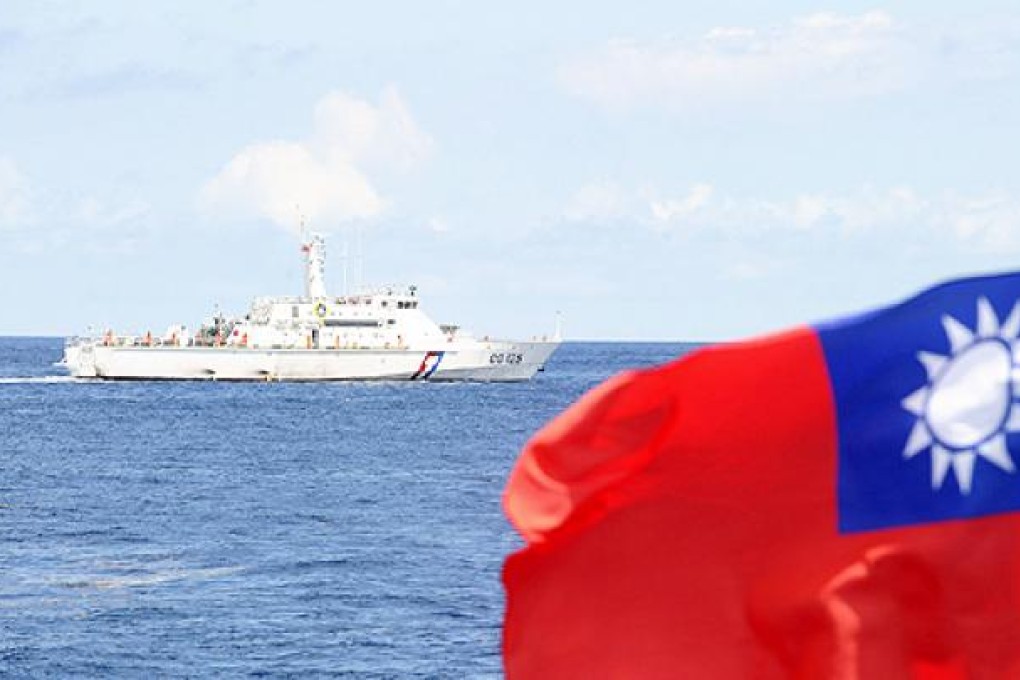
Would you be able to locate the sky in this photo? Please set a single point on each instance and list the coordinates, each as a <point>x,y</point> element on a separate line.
<point>651,171</point>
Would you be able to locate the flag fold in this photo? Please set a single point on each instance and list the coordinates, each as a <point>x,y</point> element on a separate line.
<point>830,502</point>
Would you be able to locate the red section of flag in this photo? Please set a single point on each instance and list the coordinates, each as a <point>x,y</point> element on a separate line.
<point>681,523</point>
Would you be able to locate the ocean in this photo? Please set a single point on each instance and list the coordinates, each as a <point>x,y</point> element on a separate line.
<point>263,530</point>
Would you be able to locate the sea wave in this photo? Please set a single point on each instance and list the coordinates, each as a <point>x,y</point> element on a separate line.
<point>157,577</point>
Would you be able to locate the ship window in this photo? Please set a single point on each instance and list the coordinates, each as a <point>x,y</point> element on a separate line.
<point>414,305</point>
<point>294,311</point>
<point>391,321</point>
<point>384,303</point>
<point>365,323</point>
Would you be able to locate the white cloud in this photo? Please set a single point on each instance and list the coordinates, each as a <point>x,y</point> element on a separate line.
<point>750,267</point>
<point>379,137</point>
<point>808,210</point>
<point>988,220</point>
<point>598,202</point>
<point>986,50</point>
<point>282,180</point>
<point>90,224</point>
<point>668,210</point>
<point>991,219</point>
<point>860,211</point>
<point>14,202</point>
<point>94,212</point>
<point>438,225</point>
<point>330,177</point>
<point>824,55</point>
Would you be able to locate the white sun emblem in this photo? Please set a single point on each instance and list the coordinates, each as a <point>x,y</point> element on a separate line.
<point>966,409</point>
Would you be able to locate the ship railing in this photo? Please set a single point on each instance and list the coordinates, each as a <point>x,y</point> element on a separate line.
<point>386,289</point>
<point>110,339</point>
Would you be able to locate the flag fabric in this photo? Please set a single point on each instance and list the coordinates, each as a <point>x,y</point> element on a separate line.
<point>837,501</point>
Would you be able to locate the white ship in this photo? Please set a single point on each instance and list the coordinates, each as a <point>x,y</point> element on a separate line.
<point>378,335</point>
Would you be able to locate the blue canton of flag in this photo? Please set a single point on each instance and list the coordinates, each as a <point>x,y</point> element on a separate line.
<point>927,416</point>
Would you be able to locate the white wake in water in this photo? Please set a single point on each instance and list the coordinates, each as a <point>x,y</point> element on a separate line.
<point>40,379</point>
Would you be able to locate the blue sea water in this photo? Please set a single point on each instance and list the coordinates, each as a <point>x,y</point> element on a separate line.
<point>262,530</point>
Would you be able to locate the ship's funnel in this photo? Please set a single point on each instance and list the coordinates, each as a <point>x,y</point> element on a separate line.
<point>315,266</point>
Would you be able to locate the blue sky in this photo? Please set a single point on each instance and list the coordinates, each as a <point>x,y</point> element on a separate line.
<point>673,171</point>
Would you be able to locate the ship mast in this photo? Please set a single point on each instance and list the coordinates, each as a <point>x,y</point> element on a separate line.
<point>314,249</point>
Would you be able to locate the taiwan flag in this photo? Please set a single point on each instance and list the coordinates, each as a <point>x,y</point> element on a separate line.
<point>838,501</point>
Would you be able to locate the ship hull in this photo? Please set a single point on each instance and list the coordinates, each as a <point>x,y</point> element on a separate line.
<point>481,362</point>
